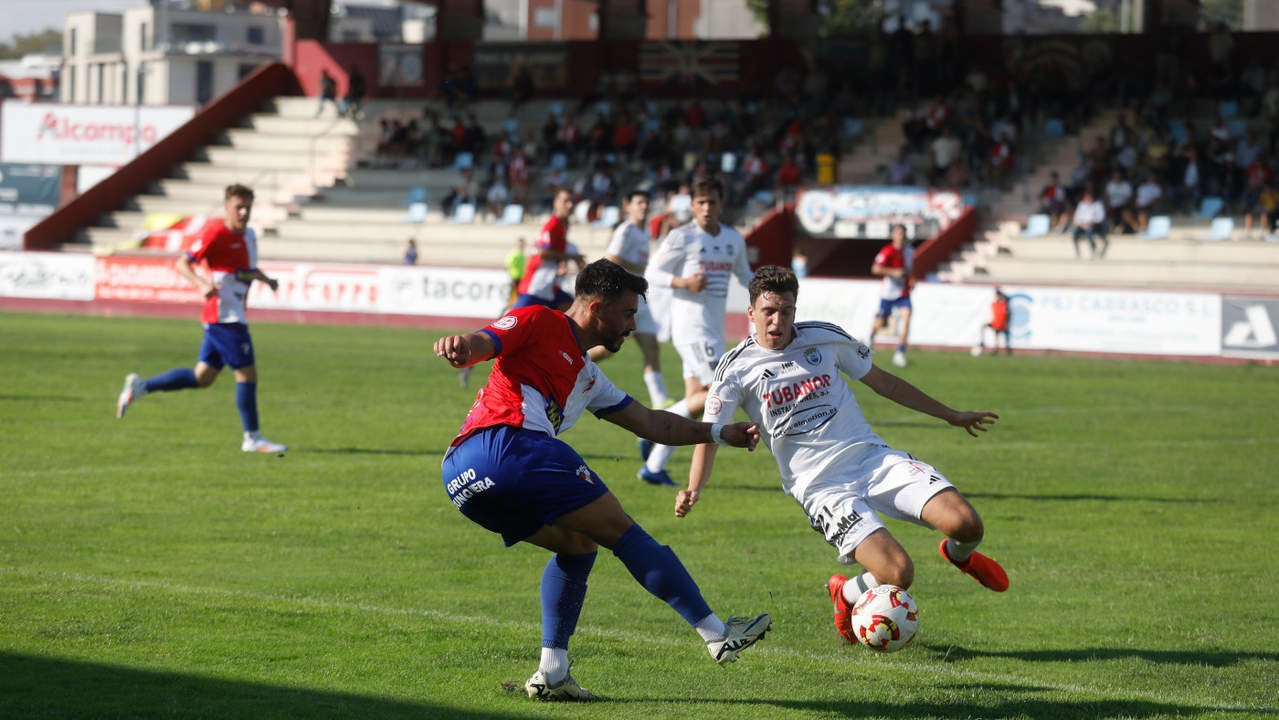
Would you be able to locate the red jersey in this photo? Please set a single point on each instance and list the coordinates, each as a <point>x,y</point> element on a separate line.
<point>999,315</point>
<point>541,379</point>
<point>539,274</point>
<point>890,257</point>
<point>229,256</point>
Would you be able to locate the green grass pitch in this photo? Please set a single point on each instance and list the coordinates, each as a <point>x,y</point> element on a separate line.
<point>150,569</point>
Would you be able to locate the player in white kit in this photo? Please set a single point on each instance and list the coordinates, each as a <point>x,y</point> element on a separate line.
<point>629,248</point>
<point>698,261</point>
<point>786,377</point>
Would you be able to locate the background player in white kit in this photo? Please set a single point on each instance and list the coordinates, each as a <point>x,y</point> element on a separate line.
<point>697,260</point>
<point>786,377</point>
<point>629,248</point>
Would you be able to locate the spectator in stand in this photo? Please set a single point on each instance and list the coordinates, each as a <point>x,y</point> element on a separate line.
<point>410,253</point>
<point>498,195</point>
<point>1121,134</point>
<point>355,92</point>
<point>1231,182</point>
<point>754,171</point>
<point>901,171</point>
<point>1259,178</point>
<point>517,173</point>
<point>328,91</point>
<point>473,138</point>
<point>1269,204</point>
<point>1079,178</point>
<point>1149,193</point>
<point>1119,202</point>
<point>1052,202</point>
<point>625,136</point>
<point>789,176</point>
<point>570,139</point>
<point>1186,194</point>
<point>1001,161</point>
<point>1090,223</point>
<point>945,149</point>
<point>1248,149</point>
<point>602,190</point>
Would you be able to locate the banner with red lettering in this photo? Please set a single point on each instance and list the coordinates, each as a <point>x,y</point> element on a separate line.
<point>84,134</point>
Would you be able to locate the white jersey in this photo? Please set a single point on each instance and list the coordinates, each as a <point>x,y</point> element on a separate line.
<point>807,414</point>
<point>687,250</point>
<point>630,245</point>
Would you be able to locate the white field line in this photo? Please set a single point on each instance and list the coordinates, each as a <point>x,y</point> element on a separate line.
<point>617,635</point>
<point>331,462</point>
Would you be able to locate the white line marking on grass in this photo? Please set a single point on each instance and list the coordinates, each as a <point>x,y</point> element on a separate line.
<point>619,635</point>
<point>136,469</point>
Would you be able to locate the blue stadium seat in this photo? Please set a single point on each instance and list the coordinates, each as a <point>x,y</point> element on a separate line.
<point>417,212</point>
<point>464,161</point>
<point>1209,207</point>
<point>511,126</point>
<point>512,214</point>
<point>764,196</point>
<point>1179,131</point>
<point>463,213</point>
<point>559,161</point>
<point>1228,109</point>
<point>1237,128</point>
<point>1053,128</point>
<point>417,195</point>
<point>609,217</point>
<point>1159,227</point>
<point>1221,229</point>
<point>1037,225</point>
<point>556,109</point>
<point>853,127</point>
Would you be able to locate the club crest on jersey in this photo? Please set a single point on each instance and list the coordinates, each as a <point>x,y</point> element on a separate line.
<point>812,356</point>
<point>713,405</point>
<point>584,473</point>
<point>506,323</point>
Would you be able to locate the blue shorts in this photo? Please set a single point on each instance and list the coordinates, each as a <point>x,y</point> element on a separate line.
<point>513,481</point>
<point>561,298</point>
<point>226,344</point>
<point>886,306</point>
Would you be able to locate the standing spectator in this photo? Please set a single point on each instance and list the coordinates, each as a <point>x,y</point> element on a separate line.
<point>1148,194</point>
<point>1119,200</point>
<point>1052,202</point>
<point>355,92</point>
<point>1269,204</point>
<point>1186,195</point>
<point>1001,161</point>
<point>945,149</point>
<point>497,197</point>
<point>901,171</point>
<point>328,91</point>
<point>1090,222</point>
<point>1258,179</point>
<point>410,253</point>
<point>998,325</point>
<point>518,174</point>
<point>755,171</point>
<point>788,176</point>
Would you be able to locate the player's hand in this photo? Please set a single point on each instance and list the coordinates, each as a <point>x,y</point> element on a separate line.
<point>273,284</point>
<point>685,500</point>
<point>742,435</point>
<point>210,290</point>
<point>455,349</point>
<point>972,421</point>
<point>695,282</point>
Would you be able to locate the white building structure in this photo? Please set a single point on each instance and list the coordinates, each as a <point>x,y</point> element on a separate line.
<point>162,55</point>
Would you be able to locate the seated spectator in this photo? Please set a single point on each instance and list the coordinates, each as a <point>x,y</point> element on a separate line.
<point>1259,178</point>
<point>944,150</point>
<point>625,136</point>
<point>789,175</point>
<point>1119,201</point>
<point>1002,161</point>
<point>901,171</point>
<point>1078,179</point>
<point>601,186</point>
<point>1269,204</point>
<point>1148,194</point>
<point>517,174</point>
<point>410,253</point>
<point>1186,191</point>
<point>1090,223</point>
<point>1052,202</point>
<point>498,195</point>
<point>754,171</point>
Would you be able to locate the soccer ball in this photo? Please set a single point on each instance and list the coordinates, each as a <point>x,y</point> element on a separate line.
<point>885,618</point>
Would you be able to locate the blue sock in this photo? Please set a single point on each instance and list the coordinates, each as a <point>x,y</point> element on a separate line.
<point>661,573</point>
<point>246,398</point>
<point>563,590</point>
<point>901,348</point>
<point>175,379</point>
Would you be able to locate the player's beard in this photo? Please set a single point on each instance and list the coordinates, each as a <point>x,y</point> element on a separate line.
<point>616,345</point>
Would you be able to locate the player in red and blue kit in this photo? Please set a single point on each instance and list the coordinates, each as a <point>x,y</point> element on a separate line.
<point>507,471</point>
<point>894,263</point>
<point>229,249</point>
<point>540,283</point>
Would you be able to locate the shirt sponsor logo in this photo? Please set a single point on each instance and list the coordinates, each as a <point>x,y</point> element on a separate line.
<point>555,414</point>
<point>795,391</point>
<point>810,419</point>
<point>506,323</point>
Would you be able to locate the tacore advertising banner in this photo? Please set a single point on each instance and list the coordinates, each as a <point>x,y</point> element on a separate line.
<point>83,134</point>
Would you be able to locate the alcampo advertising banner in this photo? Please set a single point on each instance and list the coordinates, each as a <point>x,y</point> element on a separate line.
<point>83,134</point>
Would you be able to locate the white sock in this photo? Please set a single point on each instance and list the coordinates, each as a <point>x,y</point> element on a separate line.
<point>656,387</point>
<point>680,408</point>
<point>554,664</point>
<point>662,453</point>
<point>255,435</point>
<point>960,551</point>
<point>710,628</point>
<point>855,586</point>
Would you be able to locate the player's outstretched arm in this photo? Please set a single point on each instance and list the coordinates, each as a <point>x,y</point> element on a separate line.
<point>187,270</point>
<point>907,395</point>
<point>698,475</point>
<point>464,350</point>
<point>671,429</point>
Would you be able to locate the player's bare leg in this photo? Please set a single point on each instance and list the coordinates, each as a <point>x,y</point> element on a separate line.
<point>950,513</point>
<point>654,470</point>
<point>903,333</point>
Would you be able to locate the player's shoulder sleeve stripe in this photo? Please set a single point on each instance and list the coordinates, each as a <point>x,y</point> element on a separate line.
<point>820,326</point>
<point>722,368</point>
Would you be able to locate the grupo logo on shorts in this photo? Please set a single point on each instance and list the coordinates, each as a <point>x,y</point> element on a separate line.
<point>1248,326</point>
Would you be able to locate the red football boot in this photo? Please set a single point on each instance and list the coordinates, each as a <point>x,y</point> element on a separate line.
<point>983,569</point>
<point>843,611</point>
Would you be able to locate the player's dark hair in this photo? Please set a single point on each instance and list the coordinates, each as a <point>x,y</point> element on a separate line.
<point>606,280</point>
<point>630,196</point>
<point>706,186</point>
<point>240,191</point>
<point>774,279</point>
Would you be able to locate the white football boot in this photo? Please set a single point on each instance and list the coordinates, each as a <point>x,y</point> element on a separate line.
<point>739,634</point>
<point>133,389</point>
<point>567,690</point>
<point>899,359</point>
<point>256,443</point>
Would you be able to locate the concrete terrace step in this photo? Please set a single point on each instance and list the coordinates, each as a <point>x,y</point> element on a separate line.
<point>221,156</point>
<point>252,141</point>
<point>1127,272</point>
<point>1136,248</point>
<point>305,127</point>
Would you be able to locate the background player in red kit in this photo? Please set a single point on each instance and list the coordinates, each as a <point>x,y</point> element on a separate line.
<point>894,263</point>
<point>229,249</point>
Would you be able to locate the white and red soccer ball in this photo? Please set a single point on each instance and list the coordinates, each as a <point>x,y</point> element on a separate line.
<point>885,618</point>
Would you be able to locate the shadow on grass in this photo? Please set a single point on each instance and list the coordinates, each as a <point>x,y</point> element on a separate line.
<point>952,653</point>
<point>45,687</point>
<point>1088,497</point>
<point>1022,707</point>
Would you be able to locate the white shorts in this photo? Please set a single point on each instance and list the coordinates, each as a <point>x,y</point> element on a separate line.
<point>659,303</point>
<point>846,505</point>
<point>644,322</point>
<point>700,358</point>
